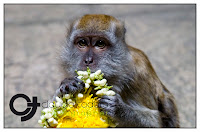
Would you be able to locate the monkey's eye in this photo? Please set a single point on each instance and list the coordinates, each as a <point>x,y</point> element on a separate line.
<point>100,44</point>
<point>82,43</point>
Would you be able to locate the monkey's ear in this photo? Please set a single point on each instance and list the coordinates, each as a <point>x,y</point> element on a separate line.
<point>120,29</point>
<point>70,26</point>
<point>124,30</point>
<point>123,26</point>
<point>120,24</point>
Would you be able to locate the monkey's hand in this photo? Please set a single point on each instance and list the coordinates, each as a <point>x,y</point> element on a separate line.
<point>70,86</point>
<point>113,107</point>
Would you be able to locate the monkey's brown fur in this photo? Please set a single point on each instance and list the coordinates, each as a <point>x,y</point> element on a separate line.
<point>142,100</point>
<point>164,100</point>
<point>98,22</point>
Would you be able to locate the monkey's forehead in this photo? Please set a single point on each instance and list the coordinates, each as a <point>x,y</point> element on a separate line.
<point>97,22</point>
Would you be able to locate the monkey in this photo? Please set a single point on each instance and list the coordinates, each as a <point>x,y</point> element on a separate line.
<point>98,41</point>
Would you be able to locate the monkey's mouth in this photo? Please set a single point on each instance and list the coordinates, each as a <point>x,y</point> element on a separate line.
<point>92,67</point>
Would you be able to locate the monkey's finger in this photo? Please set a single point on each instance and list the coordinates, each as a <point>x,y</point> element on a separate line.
<point>80,87</point>
<point>63,88</point>
<point>78,84</point>
<point>110,114</point>
<point>107,107</point>
<point>79,81</point>
<point>106,101</point>
<point>58,93</point>
<point>103,106</point>
<point>109,97</point>
<point>72,89</point>
<point>107,111</point>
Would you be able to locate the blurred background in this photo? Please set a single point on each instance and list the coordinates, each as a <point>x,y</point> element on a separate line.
<point>34,35</point>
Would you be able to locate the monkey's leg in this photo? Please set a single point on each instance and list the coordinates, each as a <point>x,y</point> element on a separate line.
<point>129,116</point>
<point>70,86</point>
<point>168,109</point>
<point>140,117</point>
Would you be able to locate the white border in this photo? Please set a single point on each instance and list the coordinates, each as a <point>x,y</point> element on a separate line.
<point>102,1</point>
<point>95,2</point>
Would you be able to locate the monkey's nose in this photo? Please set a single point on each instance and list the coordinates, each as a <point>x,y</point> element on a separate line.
<point>88,60</point>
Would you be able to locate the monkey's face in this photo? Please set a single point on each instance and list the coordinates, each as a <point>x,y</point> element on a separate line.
<point>96,52</point>
<point>91,49</point>
<point>97,42</point>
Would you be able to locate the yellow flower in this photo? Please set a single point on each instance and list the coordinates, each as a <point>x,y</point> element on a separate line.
<point>80,110</point>
<point>85,115</point>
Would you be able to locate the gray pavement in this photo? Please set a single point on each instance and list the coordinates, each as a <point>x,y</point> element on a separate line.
<point>34,35</point>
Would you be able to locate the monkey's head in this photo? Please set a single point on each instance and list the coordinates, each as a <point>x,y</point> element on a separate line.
<point>97,42</point>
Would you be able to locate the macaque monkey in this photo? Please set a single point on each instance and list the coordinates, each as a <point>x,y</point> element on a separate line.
<point>97,41</point>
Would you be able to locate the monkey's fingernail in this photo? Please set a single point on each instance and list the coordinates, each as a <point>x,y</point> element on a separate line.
<point>61,90</point>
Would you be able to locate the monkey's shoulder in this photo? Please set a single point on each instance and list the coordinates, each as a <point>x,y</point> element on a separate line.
<point>138,56</point>
<point>142,65</point>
